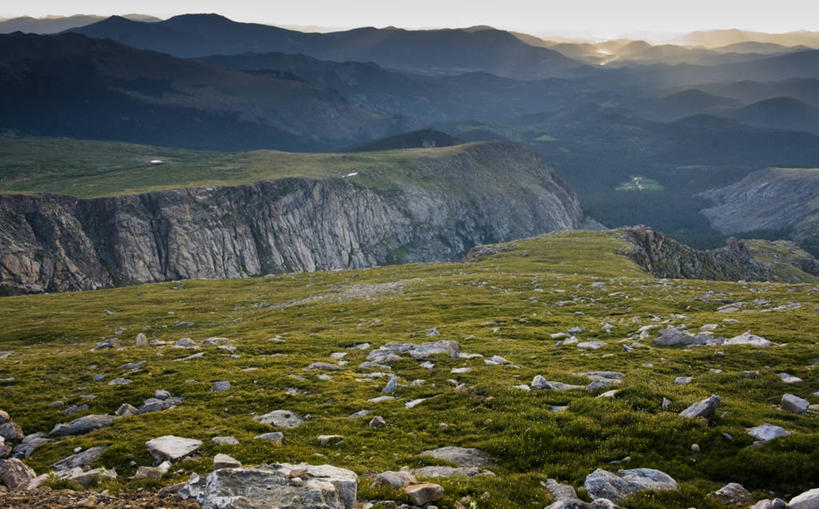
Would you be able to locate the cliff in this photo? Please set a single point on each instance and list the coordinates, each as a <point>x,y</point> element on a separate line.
<point>434,209</point>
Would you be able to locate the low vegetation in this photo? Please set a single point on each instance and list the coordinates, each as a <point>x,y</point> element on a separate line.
<point>508,303</point>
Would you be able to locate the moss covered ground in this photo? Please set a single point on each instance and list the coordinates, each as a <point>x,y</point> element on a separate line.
<point>506,304</point>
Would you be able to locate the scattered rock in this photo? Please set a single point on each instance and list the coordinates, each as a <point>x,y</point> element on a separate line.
<point>120,381</point>
<point>704,408</point>
<point>126,409</point>
<point>794,404</point>
<point>11,431</point>
<point>280,419</point>
<point>268,486</point>
<point>141,341</point>
<point>15,474</point>
<point>390,351</point>
<point>88,478</point>
<point>377,422</point>
<point>683,380</point>
<point>445,472</point>
<point>82,425</point>
<point>397,479</point>
<point>326,366</point>
<point>225,440</point>
<point>807,500</point>
<point>391,386</point>
<point>767,432</point>
<point>541,383</point>
<point>225,461</point>
<point>776,503</point>
<point>734,494</point>
<point>326,439</point>
<point>424,493</point>
<point>461,456</point>
<point>220,386</point>
<point>148,473</point>
<point>172,448</point>
<point>276,437</point>
<point>671,336</point>
<point>788,378</point>
<point>80,460</point>
<point>560,491</point>
<point>746,338</point>
<point>614,487</point>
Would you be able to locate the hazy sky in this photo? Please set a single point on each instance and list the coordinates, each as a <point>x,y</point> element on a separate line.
<point>590,18</point>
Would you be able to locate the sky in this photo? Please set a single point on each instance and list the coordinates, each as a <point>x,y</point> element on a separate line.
<point>570,18</point>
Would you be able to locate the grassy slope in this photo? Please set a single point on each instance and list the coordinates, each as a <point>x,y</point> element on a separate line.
<point>90,169</point>
<point>516,291</point>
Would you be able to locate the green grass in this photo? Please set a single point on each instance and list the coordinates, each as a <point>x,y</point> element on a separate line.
<point>506,304</point>
<point>91,169</point>
<point>639,183</point>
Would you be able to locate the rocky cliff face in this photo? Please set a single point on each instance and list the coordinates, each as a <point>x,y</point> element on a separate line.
<point>486,193</point>
<point>662,256</point>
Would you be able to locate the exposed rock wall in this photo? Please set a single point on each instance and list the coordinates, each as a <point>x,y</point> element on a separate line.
<point>662,256</point>
<point>486,193</point>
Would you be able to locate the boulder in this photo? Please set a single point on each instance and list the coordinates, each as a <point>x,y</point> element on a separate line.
<point>220,386</point>
<point>704,408</point>
<point>391,386</point>
<point>671,336</point>
<point>683,380</point>
<point>225,461</point>
<point>776,503</point>
<point>271,486</point>
<point>89,478</point>
<point>280,419</point>
<point>396,479</point>
<point>806,500</point>
<point>172,448</point>
<point>231,440</point>
<point>377,422</point>
<point>158,404</point>
<point>424,493</point>
<point>81,460</point>
<point>615,487</point>
<point>560,491</point>
<point>14,474</point>
<point>734,494</point>
<point>276,437</point>
<point>794,404</point>
<point>31,442</point>
<point>11,431</point>
<point>83,425</point>
<point>392,351</point>
<point>747,338</point>
<point>325,366</point>
<point>438,472</point>
<point>149,473</point>
<point>126,410</point>
<point>141,341</point>
<point>461,456</point>
<point>767,432</point>
<point>541,383</point>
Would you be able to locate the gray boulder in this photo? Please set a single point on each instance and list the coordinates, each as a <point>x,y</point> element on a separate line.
<point>461,456</point>
<point>31,442</point>
<point>275,486</point>
<point>671,336</point>
<point>424,493</point>
<point>615,487</point>
<point>541,383</point>
<point>704,408</point>
<point>81,460</point>
<point>561,491</point>
<point>280,419</point>
<point>734,494</point>
<point>776,503</point>
<point>767,432</point>
<point>276,437</point>
<point>88,478</point>
<point>794,404</point>
<point>573,503</point>
<point>14,474</point>
<point>83,425</point>
<point>171,447</point>
<point>396,479</point>
<point>11,431</point>
<point>445,472</point>
<point>806,500</point>
<point>220,386</point>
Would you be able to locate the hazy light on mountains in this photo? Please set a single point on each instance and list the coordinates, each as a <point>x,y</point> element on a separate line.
<point>649,19</point>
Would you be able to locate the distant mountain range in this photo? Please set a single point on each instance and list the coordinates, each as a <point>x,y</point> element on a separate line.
<point>57,24</point>
<point>447,51</point>
<point>70,85</point>
<point>718,38</point>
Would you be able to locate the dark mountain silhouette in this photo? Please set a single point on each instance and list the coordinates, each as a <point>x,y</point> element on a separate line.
<point>70,85</point>
<point>804,89</point>
<point>57,24</point>
<point>424,138</point>
<point>429,51</point>
<point>780,113</point>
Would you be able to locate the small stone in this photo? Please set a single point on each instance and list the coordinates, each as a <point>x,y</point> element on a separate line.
<point>15,474</point>
<point>326,439</point>
<point>704,408</point>
<point>682,380</point>
<point>695,448</point>
<point>148,473</point>
<point>397,479</point>
<point>788,378</point>
<point>276,437</point>
<point>230,440</point>
<point>666,403</point>
<point>11,431</point>
<point>794,404</point>
<point>443,427</point>
<point>125,410</point>
<point>280,419</point>
<point>391,386</point>
<point>82,425</point>
<point>161,394</point>
<point>172,448</point>
<point>220,386</point>
<point>767,432</point>
<point>734,494</point>
<point>225,461</point>
<point>424,493</point>
<point>377,422</point>
<point>141,341</point>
